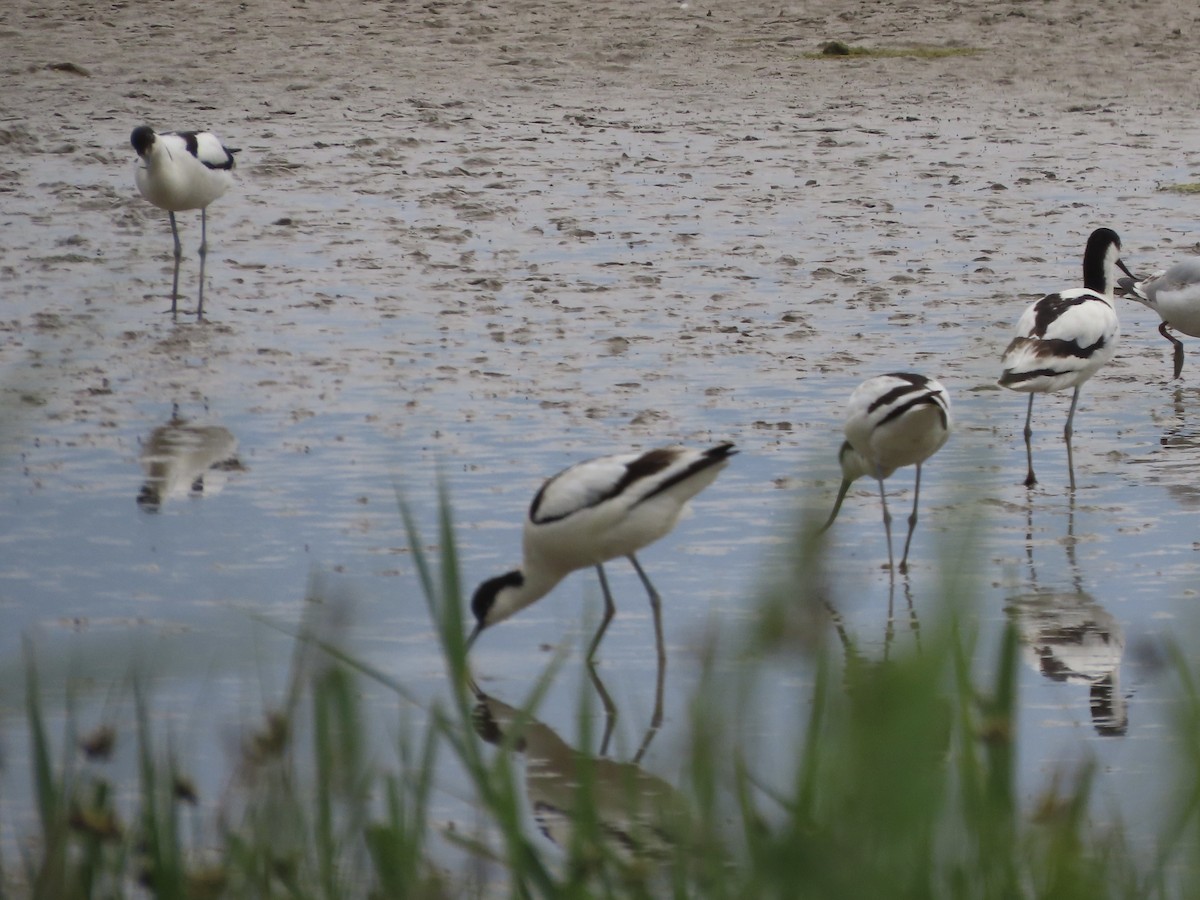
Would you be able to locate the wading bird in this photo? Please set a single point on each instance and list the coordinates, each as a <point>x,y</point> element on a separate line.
<point>892,421</point>
<point>591,513</point>
<point>1063,339</point>
<point>182,170</point>
<point>1175,295</point>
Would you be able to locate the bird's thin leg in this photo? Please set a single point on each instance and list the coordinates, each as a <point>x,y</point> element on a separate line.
<point>178,257</point>
<point>203,254</point>
<point>887,521</point>
<point>610,610</point>
<point>655,607</point>
<point>1162,329</point>
<point>912,519</point>
<point>1067,432</point>
<point>1030,478</point>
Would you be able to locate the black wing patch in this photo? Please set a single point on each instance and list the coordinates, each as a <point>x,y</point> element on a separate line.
<point>927,398</point>
<point>711,457</point>
<point>1050,308</point>
<point>191,139</point>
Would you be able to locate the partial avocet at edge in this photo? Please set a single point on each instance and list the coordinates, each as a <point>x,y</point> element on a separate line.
<point>1063,339</point>
<point>593,512</point>
<point>178,171</point>
<point>892,421</point>
<point>1174,294</point>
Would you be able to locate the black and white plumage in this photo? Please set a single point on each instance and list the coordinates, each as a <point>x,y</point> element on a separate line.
<point>1174,294</point>
<point>892,421</point>
<point>1063,339</point>
<point>637,812</point>
<point>593,512</point>
<point>179,457</point>
<point>1071,638</point>
<point>178,171</point>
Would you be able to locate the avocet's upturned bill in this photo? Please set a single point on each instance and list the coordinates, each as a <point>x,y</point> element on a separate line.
<point>1174,294</point>
<point>178,171</point>
<point>593,512</point>
<point>1063,339</point>
<point>892,421</point>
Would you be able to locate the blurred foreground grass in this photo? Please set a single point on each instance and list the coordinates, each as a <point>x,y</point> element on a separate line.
<point>903,786</point>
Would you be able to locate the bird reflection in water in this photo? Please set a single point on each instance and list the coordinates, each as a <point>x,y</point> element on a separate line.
<point>1071,638</point>
<point>635,811</point>
<point>177,458</point>
<point>1180,442</point>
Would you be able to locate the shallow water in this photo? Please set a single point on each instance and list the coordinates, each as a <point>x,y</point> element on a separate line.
<point>490,282</point>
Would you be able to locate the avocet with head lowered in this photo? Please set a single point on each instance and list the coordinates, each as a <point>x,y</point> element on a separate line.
<point>593,512</point>
<point>1063,339</point>
<point>895,420</point>
<point>1174,294</point>
<point>178,171</point>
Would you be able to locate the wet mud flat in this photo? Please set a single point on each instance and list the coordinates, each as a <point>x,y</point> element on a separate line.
<point>487,241</point>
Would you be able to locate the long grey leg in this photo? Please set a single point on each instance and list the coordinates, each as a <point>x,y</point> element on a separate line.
<point>655,608</point>
<point>610,610</point>
<point>1067,432</point>
<point>203,254</point>
<point>887,522</point>
<point>912,520</point>
<point>178,257</point>
<point>1030,478</point>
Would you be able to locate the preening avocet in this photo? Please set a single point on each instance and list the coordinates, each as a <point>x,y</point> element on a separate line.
<point>1063,339</point>
<point>182,170</point>
<point>593,512</point>
<point>1175,295</point>
<point>895,420</point>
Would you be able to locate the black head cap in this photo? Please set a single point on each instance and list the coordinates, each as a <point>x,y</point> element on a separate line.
<point>485,594</point>
<point>1102,237</point>
<point>142,139</point>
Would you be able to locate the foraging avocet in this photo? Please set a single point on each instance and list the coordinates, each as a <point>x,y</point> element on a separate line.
<point>1063,339</point>
<point>895,420</point>
<point>1175,295</point>
<point>593,512</point>
<point>182,170</point>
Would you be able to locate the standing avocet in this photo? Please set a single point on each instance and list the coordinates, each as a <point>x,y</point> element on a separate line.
<point>182,170</point>
<point>1065,338</point>
<point>593,512</point>
<point>1175,295</point>
<point>895,420</point>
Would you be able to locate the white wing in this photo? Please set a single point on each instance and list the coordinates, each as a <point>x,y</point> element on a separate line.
<point>581,486</point>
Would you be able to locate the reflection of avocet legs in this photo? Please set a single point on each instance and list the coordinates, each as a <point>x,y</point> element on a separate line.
<point>609,609</point>
<point>850,648</point>
<point>610,709</point>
